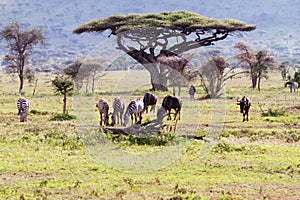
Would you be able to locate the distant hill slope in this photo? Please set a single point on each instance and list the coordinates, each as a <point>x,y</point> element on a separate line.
<point>279,20</point>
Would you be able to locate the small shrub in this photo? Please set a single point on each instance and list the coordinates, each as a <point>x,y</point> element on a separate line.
<point>36,112</point>
<point>273,113</point>
<point>62,117</point>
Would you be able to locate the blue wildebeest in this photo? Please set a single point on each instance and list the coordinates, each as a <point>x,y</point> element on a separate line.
<point>172,102</point>
<point>245,104</point>
<point>103,108</point>
<point>293,86</point>
<point>149,100</point>
<point>119,107</point>
<point>23,107</point>
<point>135,109</point>
<point>192,92</point>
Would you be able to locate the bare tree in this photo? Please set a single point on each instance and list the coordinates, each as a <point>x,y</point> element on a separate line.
<point>20,44</point>
<point>81,71</point>
<point>176,69</point>
<point>257,61</point>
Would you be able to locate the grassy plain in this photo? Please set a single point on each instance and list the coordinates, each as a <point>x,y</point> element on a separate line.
<point>258,159</point>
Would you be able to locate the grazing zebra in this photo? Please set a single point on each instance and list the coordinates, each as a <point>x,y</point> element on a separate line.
<point>245,104</point>
<point>171,102</point>
<point>149,100</point>
<point>119,107</point>
<point>135,108</point>
<point>192,92</point>
<point>293,86</point>
<point>23,107</point>
<point>103,108</point>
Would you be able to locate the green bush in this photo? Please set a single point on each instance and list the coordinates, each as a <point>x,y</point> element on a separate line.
<point>62,117</point>
<point>273,113</point>
<point>36,112</point>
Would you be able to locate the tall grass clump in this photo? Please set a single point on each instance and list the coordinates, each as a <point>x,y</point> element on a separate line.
<point>273,113</point>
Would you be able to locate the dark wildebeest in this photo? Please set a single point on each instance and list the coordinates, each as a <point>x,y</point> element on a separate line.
<point>103,108</point>
<point>245,104</point>
<point>293,86</point>
<point>135,108</point>
<point>119,107</point>
<point>149,100</point>
<point>171,102</point>
<point>192,92</point>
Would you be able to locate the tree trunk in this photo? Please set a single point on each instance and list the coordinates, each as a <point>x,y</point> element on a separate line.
<point>254,81</point>
<point>258,84</point>
<point>65,103</point>
<point>158,81</point>
<point>21,77</point>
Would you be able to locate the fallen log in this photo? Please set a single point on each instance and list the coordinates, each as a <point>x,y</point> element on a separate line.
<point>147,128</point>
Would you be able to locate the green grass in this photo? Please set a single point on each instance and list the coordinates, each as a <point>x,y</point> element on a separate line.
<point>44,159</point>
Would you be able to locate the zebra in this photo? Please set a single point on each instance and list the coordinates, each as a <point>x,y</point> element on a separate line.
<point>192,92</point>
<point>149,100</point>
<point>103,108</point>
<point>172,102</point>
<point>119,107</point>
<point>293,86</point>
<point>244,104</point>
<point>23,107</point>
<point>135,108</point>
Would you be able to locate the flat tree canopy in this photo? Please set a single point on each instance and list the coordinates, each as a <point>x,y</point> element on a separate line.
<point>148,37</point>
<point>183,21</point>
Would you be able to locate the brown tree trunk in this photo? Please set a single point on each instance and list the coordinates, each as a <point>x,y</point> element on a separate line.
<point>254,81</point>
<point>21,77</point>
<point>158,81</point>
<point>65,103</point>
<point>258,84</point>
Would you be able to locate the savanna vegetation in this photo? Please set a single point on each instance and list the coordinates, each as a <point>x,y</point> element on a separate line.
<point>49,159</point>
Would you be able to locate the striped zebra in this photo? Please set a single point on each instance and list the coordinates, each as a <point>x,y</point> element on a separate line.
<point>149,100</point>
<point>135,108</point>
<point>23,107</point>
<point>103,108</point>
<point>119,107</point>
<point>293,86</point>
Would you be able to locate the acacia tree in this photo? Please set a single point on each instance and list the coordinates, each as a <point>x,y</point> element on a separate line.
<point>62,85</point>
<point>20,44</point>
<point>258,61</point>
<point>81,71</point>
<point>145,37</point>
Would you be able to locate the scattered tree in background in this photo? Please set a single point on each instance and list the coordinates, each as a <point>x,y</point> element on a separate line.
<point>62,86</point>
<point>258,62</point>
<point>176,69</point>
<point>29,75</point>
<point>20,44</point>
<point>297,77</point>
<point>82,71</point>
<point>284,70</point>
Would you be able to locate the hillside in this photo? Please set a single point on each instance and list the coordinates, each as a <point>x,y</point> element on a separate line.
<point>277,23</point>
